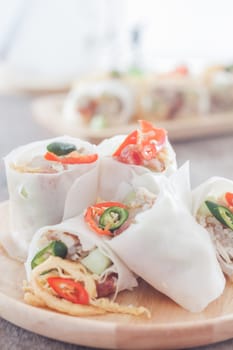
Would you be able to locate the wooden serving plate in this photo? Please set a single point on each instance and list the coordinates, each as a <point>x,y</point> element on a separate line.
<point>47,111</point>
<point>170,327</point>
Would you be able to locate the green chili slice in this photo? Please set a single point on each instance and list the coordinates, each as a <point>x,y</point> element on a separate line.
<point>221,213</point>
<point>56,248</point>
<point>113,218</point>
<point>61,148</point>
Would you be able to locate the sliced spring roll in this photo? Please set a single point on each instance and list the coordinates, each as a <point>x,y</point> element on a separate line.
<point>171,97</point>
<point>148,224</point>
<point>147,147</point>
<point>40,176</point>
<point>100,103</point>
<point>218,81</point>
<point>213,209</point>
<point>71,270</point>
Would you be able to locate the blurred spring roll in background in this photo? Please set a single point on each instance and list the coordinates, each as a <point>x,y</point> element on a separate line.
<point>218,80</point>
<point>213,209</point>
<point>147,147</point>
<point>148,224</point>
<point>71,270</point>
<point>40,176</point>
<point>100,103</point>
<point>172,95</point>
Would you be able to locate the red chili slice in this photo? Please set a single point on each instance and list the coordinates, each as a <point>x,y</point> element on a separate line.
<point>229,198</point>
<point>70,290</point>
<point>79,159</point>
<point>141,144</point>
<point>131,139</point>
<point>131,154</point>
<point>149,133</point>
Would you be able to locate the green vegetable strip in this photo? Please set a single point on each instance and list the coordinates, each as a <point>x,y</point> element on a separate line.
<point>56,248</point>
<point>61,148</point>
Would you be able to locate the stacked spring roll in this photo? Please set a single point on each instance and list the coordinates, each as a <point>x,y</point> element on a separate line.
<point>71,270</point>
<point>120,212</point>
<point>144,149</point>
<point>213,209</point>
<point>40,177</point>
<point>146,221</point>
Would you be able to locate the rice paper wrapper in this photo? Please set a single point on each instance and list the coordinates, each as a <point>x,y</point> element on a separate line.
<point>39,199</point>
<point>107,147</point>
<point>116,179</point>
<point>215,187</point>
<point>114,182</point>
<point>88,240</point>
<point>177,254</point>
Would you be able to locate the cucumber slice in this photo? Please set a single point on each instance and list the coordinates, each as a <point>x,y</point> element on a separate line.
<point>98,122</point>
<point>96,262</point>
<point>23,192</point>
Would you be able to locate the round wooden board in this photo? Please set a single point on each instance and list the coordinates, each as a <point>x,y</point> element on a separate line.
<point>47,111</point>
<point>170,327</point>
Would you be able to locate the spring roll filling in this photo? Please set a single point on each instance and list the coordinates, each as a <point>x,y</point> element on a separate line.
<point>220,233</point>
<point>113,218</point>
<point>68,285</point>
<point>55,282</point>
<point>105,107</point>
<point>106,280</point>
<point>146,147</point>
<point>57,157</point>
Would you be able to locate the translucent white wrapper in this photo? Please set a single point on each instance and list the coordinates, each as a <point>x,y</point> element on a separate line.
<point>77,227</point>
<point>168,249</point>
<point>215,187</point>
<point>165,246</point>
<point>46,194</point>
<point>107,147</point>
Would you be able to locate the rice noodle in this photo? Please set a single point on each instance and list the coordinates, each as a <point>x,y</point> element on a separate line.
<point>39,293</point>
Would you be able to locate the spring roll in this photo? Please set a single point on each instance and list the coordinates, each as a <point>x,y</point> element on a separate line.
<point>172,97</point>
<point>100,103</point>
<point>40,176</point>
<point>218,81</point>
<point>213,209</point>
<point>149,225</point>
<point>147,148</point>
<point>71,270</point>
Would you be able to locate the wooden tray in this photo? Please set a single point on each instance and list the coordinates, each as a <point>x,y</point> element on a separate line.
<point>47,111</point>
<point>170,327</point>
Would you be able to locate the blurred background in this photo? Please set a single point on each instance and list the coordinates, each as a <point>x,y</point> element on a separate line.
<point>56,40</point>
<point>91,68</point>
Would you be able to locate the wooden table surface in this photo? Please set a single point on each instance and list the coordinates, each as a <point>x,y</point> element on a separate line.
<point>208,157</point>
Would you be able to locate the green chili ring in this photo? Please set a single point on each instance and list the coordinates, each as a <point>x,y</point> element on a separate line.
<point>55,248</point>
<point>113,218</point>
<point>221,213</point>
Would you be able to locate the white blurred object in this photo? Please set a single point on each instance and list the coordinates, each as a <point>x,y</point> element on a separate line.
<point>61,40</point>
